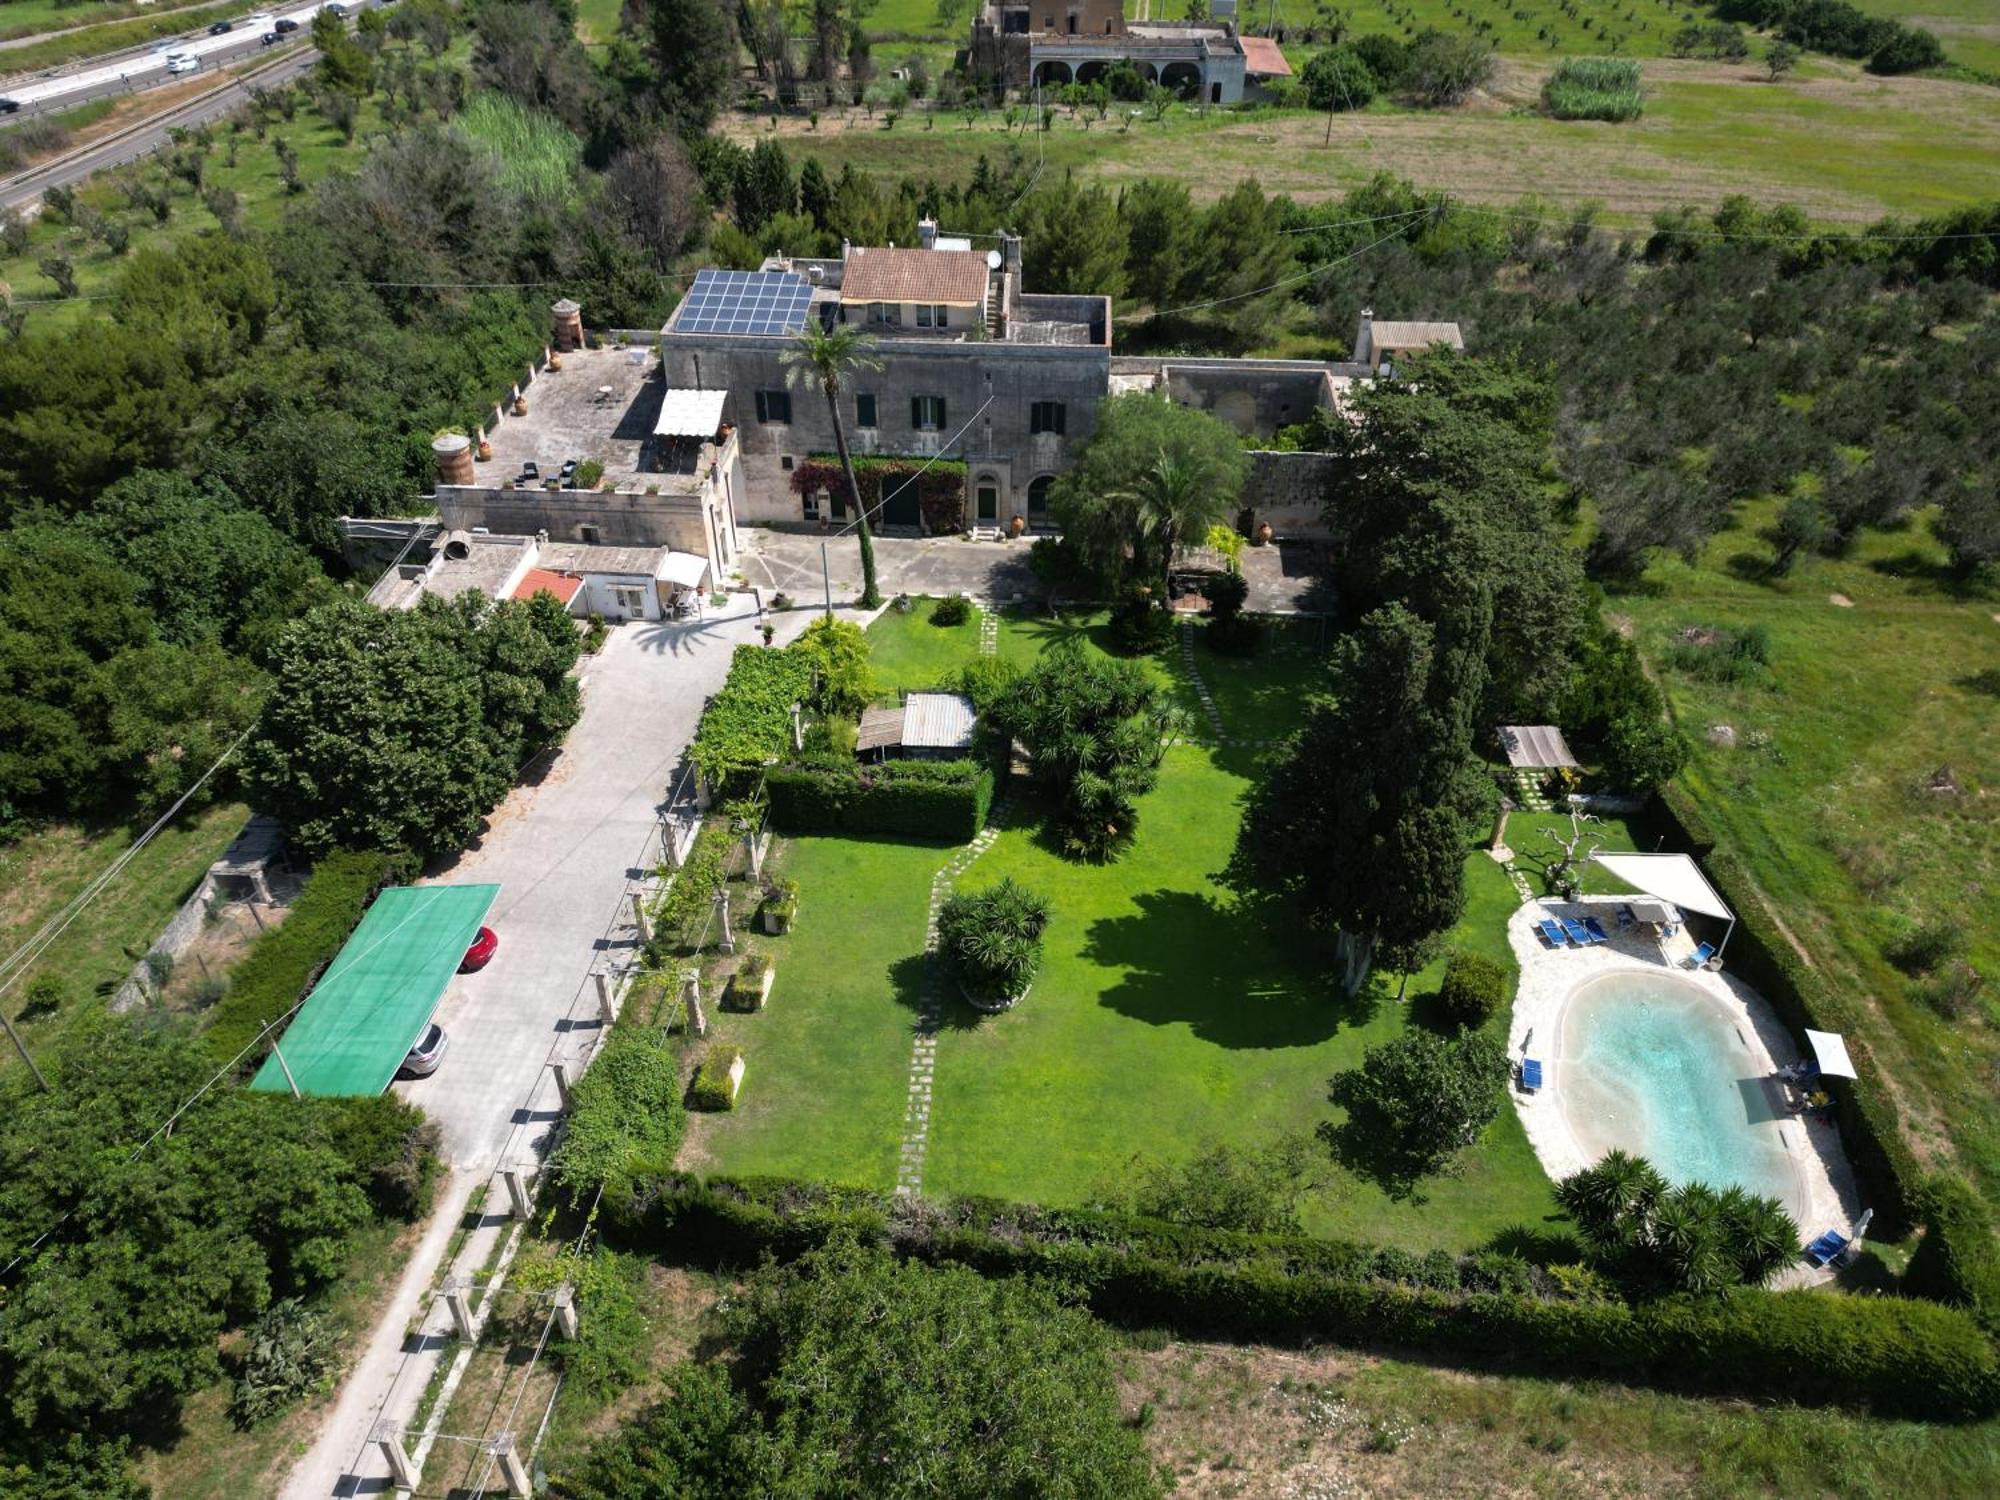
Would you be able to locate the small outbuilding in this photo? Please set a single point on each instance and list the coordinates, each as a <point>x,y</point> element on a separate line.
<point>1536,747</point>
<point>928,726</point>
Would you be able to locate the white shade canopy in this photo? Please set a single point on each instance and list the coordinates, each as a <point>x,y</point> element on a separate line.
<point>1671,877</point>
<point>1832,1054</point>
<point>690,413</point>
<point>686,569</point>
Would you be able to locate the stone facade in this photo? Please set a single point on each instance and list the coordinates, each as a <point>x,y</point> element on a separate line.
<point>1020,44</point>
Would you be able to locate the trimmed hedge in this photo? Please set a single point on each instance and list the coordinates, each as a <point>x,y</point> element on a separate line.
<point>279,965</point>
<point>1891,1355</point>
<point>710,1089</point>
<point>1804,998</point>
<point>1957,1260</point>
<point>931,799</point>
<point>625,1113</point>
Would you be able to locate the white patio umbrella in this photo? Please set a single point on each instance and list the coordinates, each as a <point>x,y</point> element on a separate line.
<point>1831,1051</point>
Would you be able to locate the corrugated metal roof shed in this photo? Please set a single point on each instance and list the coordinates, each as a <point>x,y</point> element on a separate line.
<point>1535,747</point>
<point>937,721</point>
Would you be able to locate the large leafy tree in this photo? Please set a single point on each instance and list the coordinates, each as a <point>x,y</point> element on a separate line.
<point>1153,474</point>
<point>859,1375</point>
<point>1364,819</point>
<point>1093,727</point>
<point>1415,1102</point>
<point>824,357</point>
<point>694,55</point>
<point>403,730</point>
<point>1075,241</point>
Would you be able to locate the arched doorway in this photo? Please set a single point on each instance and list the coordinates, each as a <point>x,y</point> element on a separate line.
<point>1038,498</point>
<point>1052,74</point>
<point>1092,71</point>
<point>986,500</point>
<point>1183,78</point>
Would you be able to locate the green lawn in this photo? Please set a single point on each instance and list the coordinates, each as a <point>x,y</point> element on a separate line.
<point>1824,791</point>
<point>908,654</point>
<point>1166,1016</point>
<point>39,875</point>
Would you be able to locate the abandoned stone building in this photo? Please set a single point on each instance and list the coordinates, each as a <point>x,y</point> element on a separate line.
<point>1021,44</point>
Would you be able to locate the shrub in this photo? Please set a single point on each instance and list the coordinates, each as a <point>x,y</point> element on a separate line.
<point>985,680</point>
<point>711,1089</point>
<point>1723,656</point>
<point>393,1147</point>
<point>43,996</point>
<point>1925,946</point>
<point>1337,79</point>
<point>289,1354</point>
<point>781,601</point>
<point>750,721</point>
<point>1957,1260</point>
<point>838,681</point>
<point>1951,990</point>
<point>953,610</point>
<point>1473,991</point>
<point>1138,628</point>
<point>1443,69</point>
<point>625,1116</point>
<point>1416,1100</point>
<point>1387,57</point>
<point>588,473</point>
<point>992,939</point>
<point>284,960</point>
<point>1593,88</point>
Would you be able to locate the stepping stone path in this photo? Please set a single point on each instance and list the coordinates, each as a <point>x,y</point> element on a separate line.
<point>1193,675</point>
<point>923,1052</point>
<point>1528,793</point>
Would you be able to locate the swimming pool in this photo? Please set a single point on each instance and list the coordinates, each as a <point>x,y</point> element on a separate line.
<point>1661,1068</point>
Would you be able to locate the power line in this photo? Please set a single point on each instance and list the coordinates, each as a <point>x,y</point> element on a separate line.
<point>1282,282</point>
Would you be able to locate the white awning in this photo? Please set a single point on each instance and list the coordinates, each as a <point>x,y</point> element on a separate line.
<point>690,413</point>
<point>1832,1054</point>
<point>1671,877</point>
<point>684,568</point>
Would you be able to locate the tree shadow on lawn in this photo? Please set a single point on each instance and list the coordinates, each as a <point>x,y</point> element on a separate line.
<point>906,985</point>
<point>1194,961</point>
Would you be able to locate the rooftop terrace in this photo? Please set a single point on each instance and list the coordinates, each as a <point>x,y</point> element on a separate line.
<point>603,405</point>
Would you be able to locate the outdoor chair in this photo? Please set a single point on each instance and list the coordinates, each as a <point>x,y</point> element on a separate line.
<point>1531,1075</point>
<point>1596,930</point>
<point>1701,955</point>
<point>1626,919</point>
<point>1552,934</point>
<point>1578,933</point>
<point>1826,1247</point>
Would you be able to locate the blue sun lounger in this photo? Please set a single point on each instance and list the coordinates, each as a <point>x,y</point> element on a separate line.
<point>1578,933</point>
<point>1826,1247</point>
<point>1700,956</point>
<point>1552,934</point>
<point>1596,930</point>
<point>1626,919</point>
<point>1531,1075</point>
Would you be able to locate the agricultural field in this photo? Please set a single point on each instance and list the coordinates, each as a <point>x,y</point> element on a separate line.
<point>1880,680</point>
<point>1910,146</point>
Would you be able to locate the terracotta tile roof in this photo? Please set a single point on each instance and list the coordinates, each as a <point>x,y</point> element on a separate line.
<point>539,580</point>
<point>1262,57</point>
<point>1416,335</point>
<point>956,278</point>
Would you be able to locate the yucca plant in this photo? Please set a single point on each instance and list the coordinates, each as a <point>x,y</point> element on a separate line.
<point>992,939</point>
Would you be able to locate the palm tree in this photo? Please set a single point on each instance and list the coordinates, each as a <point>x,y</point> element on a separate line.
<point>1173,497</point>
<point>824,355</point>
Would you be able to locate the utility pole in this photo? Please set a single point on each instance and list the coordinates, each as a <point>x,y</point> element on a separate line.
<point>15,1037</point>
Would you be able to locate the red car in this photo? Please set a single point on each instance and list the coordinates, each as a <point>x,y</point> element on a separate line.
<point>481,951</point>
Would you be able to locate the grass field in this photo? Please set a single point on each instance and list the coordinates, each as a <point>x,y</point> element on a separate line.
<point>1824,790</point>
<point>1908,145</point>
<point>40,873</point>
<point>1969,29</point>
<point>1166,1016</point>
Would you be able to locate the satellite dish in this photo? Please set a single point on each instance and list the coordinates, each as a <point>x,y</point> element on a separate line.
<point>992,260</point>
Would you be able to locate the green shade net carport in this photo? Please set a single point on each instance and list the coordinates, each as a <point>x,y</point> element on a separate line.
<point>379,992</point>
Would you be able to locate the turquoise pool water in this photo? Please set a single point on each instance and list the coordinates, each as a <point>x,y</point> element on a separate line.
<point>1664,1069</point>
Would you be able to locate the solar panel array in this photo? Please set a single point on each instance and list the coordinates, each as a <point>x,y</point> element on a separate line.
<point>748,302</point>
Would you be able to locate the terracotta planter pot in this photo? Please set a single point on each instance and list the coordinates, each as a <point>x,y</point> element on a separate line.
<point>555,361</point>
<point>485,450</point>
<point>1018,525</point>
<point>1263,537</point>
<point>520,406</point>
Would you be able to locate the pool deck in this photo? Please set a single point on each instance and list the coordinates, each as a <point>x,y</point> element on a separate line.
<point>1550,976</point>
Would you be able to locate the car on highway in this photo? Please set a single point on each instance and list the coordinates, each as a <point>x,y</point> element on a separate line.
<point>481,952</point>
<point>270,38</point>
<point>8,106</point>
<point>424,1058</point>
<point>284,25</point>
<point>220,27</point>
<point>182,62</point>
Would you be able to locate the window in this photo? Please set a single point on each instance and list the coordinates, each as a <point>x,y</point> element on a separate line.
<point>927,413</point>
<point>785,462</point>
<point>1046,416</point>
<point>885,312</point>
<point>587,535</point>
<point>774,406</point>
<point>812,504</point>
<point>864,409</point>
<point>630,600</point>
<point>930,316</point>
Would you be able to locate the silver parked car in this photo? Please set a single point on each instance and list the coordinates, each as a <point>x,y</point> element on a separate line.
<point>426,1055</point>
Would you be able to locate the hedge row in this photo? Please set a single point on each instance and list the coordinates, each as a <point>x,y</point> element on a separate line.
<point>932,799</point>
<point>1803,998</point>
<point>279,965</point>
<point>1957,1260</point>
<point>1891,1355</point>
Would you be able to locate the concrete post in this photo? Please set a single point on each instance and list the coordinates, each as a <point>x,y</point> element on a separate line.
<point>517,1191</point>
<point>728,939</point>
<point>501,1448</point>
<point>798,728</point>
<point>670,844</point>
<point>607,1010</point>
<point>561,1070</point>
<point>566,1310</point>
<point>757,843</point>
<point>458,1297</point>
<point>388,1436</point>
<point>639,917</point>
<point>691,997</point>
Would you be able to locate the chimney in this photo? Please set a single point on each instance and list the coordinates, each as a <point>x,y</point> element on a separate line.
<point>1364,338</point>
<point>453,451</point>
<point>1010,254</point>
<point>927,233</point>
<point>566,332</point>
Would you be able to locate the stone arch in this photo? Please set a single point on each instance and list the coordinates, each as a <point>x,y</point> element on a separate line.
<point>1090,72</point>
<point>1038,496</point>
<point>1150,73</point>
<point>1184,78</point>
<point>1052,74</point>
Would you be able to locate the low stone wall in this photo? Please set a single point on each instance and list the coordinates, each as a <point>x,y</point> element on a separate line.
<point>1288,490</point>
<point>142,985</point>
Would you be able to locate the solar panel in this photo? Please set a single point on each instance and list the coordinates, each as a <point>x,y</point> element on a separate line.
<point>745,302</point>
